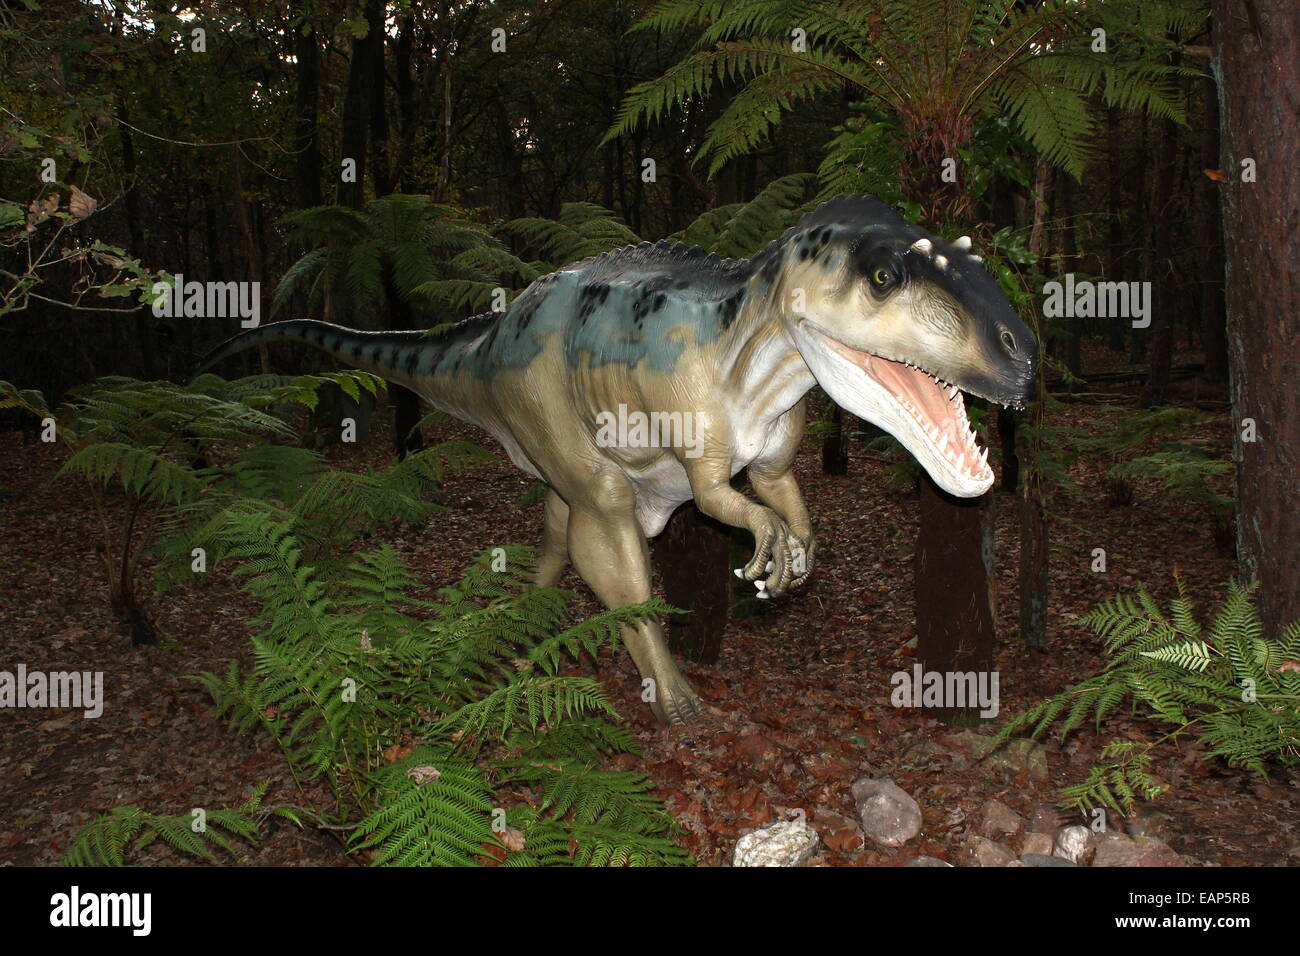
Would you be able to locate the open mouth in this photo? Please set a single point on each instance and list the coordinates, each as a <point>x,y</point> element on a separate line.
<point>936,409</point>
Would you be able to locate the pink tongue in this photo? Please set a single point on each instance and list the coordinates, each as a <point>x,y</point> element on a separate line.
<point>915,386</point>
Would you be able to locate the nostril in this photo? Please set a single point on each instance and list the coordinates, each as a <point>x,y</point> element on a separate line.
<point>1008,341</point>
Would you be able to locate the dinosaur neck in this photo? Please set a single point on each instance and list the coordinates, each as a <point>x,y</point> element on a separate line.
<point>760,365</point>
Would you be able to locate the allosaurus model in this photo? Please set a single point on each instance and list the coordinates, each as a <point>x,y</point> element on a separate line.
<point>892,322</point>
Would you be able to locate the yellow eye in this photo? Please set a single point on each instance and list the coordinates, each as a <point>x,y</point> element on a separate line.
<point>880,277</point>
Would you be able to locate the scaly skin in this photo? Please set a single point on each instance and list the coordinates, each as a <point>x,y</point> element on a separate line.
<point>733,344</point>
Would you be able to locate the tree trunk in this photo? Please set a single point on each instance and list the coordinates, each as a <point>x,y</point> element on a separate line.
<point>953,572</point>
<point>356,107</point>
<point>253,260</point>
<point>1034,553</point>
<point>1115,226</point>
<point>1257,63</point>
<point>1007,428</point>
<point>692,556</point>
<point>1072,331</point>
<point>307,161</point>
<point>1214,331</point>
<point>1142,234</point>
<point>380,167</point>
<point>144,331</point>
<point>1163,308</point>
<point>835,447</point>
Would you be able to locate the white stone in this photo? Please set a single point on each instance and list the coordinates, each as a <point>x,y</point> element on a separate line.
<point>789,843</point>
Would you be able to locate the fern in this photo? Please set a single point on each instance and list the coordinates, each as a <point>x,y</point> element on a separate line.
<point>932,64</point>
<point>1235,690</point>
<point>108,839</point>
<point>430,721</point>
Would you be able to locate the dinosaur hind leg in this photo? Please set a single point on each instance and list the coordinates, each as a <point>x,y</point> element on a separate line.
<point>610,552</point>
<point>555,543</point>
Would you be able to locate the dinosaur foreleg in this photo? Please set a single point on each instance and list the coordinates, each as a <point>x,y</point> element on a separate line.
<point>776,547</point>
<point>781,494</point>
<point>555,543</point>
<point>610,552</point>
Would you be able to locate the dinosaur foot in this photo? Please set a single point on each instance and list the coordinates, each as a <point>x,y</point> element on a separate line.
<point>676,703</point>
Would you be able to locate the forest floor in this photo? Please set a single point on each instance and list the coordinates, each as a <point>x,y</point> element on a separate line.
<point>798,705</point>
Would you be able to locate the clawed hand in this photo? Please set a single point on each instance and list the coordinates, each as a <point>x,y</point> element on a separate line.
<point>781,561</point>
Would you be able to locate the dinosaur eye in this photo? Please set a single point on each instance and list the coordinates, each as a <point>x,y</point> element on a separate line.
<point>882,278</point>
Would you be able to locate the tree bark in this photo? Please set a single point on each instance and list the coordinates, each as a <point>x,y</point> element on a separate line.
<point>1007,428</point>
<point>1163,307</point>
<point>835,447</point>
<point>307,162</point>
<point>953,573</point>
<point>1071,333</point>
<point>1035,555</point>
<point>1142,233</point>
<point>356,107</point>
<point>1257,64</point>
<point>692,555</point>
<point>1214,331</point>
<point>1115,225</point>
<point>955,624</point>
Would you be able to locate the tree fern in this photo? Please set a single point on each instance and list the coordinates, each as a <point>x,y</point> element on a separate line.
<point>938,65</point>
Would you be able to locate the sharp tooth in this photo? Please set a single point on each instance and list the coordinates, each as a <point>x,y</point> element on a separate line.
<point>943,444</point>
<point>984,457</point>
<point>963,243</point>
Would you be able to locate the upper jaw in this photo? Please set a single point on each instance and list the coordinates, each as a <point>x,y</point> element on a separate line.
<point>929,419</point>
<point>1014,397</point>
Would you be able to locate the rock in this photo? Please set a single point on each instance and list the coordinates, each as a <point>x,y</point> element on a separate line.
<point>1115,849</point>
<point>788,843</point>
<point>889,816</point>
<point>927,861</point>
<point>1044,859</point>
<point>998,820</point>
<point>1018,756</point>
<point>1150,823</point>
<point>1073,844</point>
<point>1037,844</point>
<point>1046,819</point>
<point>968,742</point>
<point>983,852</point>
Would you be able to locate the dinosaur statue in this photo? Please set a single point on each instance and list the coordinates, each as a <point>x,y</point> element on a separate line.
<point>892,322</point>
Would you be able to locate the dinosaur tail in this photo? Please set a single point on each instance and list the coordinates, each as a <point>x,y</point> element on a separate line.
<point>395,356</point>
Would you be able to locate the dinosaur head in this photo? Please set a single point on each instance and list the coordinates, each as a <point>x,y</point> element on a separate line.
<point>896,323</point>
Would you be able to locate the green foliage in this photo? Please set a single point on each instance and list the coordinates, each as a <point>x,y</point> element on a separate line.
<point>1228,685</point>
<point>583,229</point>
<point>421,716</point>
<point>936,66</point>
<point>739,230</point>
<point>108,839</point>
<point>404,249</point>
<point>351,664</point>
<point>443,728</point>
<point>1188,470</point>
<point>140,439</point>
